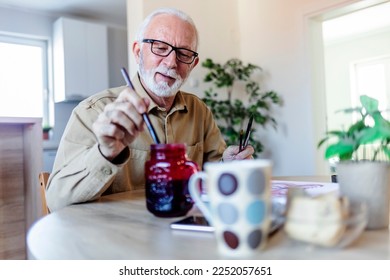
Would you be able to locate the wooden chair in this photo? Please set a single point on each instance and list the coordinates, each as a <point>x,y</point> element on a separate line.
<point>43,178</point>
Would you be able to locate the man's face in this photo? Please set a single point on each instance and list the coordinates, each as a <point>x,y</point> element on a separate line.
<point>164,76</point>
<point>163,87</point>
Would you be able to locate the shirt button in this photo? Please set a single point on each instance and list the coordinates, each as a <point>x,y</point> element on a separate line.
<point>107,171</point>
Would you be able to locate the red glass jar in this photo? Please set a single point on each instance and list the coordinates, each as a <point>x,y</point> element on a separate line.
<point>166,180</point>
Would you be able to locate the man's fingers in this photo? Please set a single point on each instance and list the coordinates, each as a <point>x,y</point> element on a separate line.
<point>232,153</point>
<point>247,153</point>
<point>120,122</point>
<point>129,95</point>
<point>124,115</point>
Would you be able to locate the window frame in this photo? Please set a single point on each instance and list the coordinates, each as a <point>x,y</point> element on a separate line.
<point>354,73</point>
<point>47,104</point>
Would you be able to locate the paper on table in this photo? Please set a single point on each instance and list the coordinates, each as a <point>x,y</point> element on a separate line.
<point>280,188</point>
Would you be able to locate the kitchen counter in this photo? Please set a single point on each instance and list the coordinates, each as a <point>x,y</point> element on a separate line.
<point>20,163</point>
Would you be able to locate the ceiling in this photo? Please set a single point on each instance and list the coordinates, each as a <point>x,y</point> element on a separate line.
<point>114,12</point>
<point>110,11</point>
<point>361,22</point>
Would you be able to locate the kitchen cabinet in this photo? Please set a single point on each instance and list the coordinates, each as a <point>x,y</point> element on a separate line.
<point>80,57</point>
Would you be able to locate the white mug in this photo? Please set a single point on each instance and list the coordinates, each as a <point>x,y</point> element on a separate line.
<point>239,203</point>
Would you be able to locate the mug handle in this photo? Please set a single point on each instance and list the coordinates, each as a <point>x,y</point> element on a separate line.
<point>196,195</point>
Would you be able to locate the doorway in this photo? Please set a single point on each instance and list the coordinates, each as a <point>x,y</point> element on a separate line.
<point>338,48</point>
<point>356,61</point>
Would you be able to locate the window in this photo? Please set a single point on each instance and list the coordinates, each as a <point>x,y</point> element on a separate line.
<point>24,78</point>
<point>371,77</point>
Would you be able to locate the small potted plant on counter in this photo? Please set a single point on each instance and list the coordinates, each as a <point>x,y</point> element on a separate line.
<point>362,153</point>
<point>45,131</point>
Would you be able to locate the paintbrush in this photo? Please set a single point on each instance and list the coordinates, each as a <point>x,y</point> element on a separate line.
<point>144,115</point>
<point>247,133</point>
<point>240,147</point>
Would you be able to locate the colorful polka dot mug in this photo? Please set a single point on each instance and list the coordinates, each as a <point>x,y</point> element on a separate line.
<point>238,204</point>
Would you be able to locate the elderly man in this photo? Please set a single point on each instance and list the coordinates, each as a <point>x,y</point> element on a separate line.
<point>105,145</point>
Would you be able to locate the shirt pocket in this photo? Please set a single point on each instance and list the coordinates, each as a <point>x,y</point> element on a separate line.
<point>195,153</point>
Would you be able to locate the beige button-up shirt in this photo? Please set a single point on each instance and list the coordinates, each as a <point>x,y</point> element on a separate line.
<point>81,173</point>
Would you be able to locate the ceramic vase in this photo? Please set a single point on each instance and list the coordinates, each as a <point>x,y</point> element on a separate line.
<point>367,181</point>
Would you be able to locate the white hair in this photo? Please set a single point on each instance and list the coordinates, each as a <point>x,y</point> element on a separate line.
<point>167,11</point>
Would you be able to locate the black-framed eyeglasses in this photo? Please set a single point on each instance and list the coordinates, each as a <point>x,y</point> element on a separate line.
<point>164,49</point>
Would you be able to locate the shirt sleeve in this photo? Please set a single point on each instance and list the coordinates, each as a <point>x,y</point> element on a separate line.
<point>214,143</point>
<point>80,172</point>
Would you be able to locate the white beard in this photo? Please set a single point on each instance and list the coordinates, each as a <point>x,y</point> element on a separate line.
<point>161,89</point>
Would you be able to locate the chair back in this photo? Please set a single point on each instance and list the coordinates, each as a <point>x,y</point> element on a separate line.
<point>43,178</point>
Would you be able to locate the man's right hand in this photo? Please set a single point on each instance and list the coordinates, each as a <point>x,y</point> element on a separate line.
<point>120,123</point>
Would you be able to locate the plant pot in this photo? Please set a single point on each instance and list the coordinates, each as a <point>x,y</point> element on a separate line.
<point>45,135</point>
<point>367,181</point>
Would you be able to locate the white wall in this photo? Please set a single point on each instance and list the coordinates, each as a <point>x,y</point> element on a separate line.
<point>277,36</point>
<point>274,39</point>
<point>117,54</point>
<point>20,22</point>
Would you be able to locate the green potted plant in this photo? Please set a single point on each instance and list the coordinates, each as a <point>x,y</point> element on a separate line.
<point>45,131</point>
<point>362,153</point>
<point>232,114</point>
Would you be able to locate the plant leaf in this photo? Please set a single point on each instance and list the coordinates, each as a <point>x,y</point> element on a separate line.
<point>342,150</point>
<point>370,104</point>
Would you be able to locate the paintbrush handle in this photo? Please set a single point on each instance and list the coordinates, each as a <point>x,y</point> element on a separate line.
<point>248,133</point>
<point>240,147</point>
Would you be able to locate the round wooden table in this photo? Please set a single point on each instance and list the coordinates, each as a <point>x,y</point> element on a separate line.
<point>119,226</point>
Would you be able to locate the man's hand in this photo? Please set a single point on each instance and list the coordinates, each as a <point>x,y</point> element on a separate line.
<point>232,153</point>
<point>120,123</point>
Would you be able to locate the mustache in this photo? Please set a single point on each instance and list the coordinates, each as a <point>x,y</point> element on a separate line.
<point>167,72</point>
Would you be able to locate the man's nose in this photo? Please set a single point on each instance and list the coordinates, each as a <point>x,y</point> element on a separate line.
<point>171,59</point>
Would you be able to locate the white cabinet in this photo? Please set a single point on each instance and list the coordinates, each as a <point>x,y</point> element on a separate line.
<point>80,59</point>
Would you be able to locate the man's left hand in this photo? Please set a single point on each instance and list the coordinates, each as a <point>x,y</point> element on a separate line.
<point>232,153</point>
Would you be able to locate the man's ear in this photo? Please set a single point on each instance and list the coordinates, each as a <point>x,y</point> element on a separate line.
<point>196,61</point>
<point>136,51</point>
